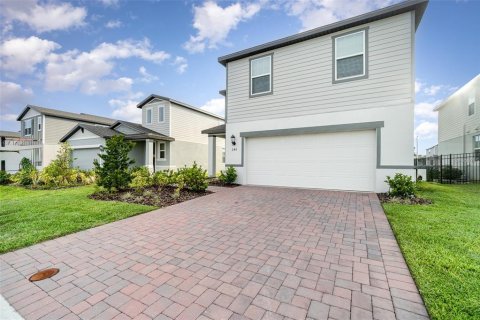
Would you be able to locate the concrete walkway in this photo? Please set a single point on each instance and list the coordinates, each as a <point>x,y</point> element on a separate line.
<point>242,253</point>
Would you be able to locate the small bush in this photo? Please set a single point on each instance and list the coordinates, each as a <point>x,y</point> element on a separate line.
<point>26,164</point>
<point>401,186</point>
<point>141,178</point>
<point>160,179</point>
<point>5,177</point>
<point>59,172</point>
<point>194,177</point>
<point>113,172</point>
<point>451,173</point>
<point>229,176</point>
<point>433,174</point>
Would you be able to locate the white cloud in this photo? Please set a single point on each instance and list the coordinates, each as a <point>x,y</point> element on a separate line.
<point>181,64</point>
<point>8,117</point>
<point>112,24</point>
<point>418,86</point>
<point>12,95</point>
<point>425,109</point>
<point>316,13</point>
<point>146,77</point>
<point>43,17</point>
<point>21,55</point>
<point>216,106</point>
<point>213,23</point>
<point>89,70</point>
<point>109,3</point>
<point>126,110</point>
<point>432,90</point>
<point>426,130</point>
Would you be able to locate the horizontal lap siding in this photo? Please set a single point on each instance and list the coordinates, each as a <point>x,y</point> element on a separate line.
<point>302,77</point>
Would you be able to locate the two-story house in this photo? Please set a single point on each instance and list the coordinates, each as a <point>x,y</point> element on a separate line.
<point>9,155</point>
<point>459,121</point>
<point>168,138</point>
<point>329,108</point>
<point>41,130</point>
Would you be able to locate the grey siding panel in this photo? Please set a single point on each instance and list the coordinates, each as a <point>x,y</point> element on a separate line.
<point>303,77</point>
<point>56,128</point>
<point>138,153</point>
<point>164,127</point>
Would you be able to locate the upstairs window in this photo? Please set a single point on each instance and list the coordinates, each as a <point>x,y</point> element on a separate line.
<point>261,75</point>
<point>39,119</point>
<point>161,151</point>
<point>148,115</point>
<point>471,106</point>
<point>350,56</point>
<point>476,147</point>
<point>27,131</point>
<point>161,113</point>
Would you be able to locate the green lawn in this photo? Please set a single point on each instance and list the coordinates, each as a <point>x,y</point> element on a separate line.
<point>441,243</point>
<point>32,216</point>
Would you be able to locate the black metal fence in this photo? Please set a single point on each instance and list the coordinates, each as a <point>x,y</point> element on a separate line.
<point>453,168</point>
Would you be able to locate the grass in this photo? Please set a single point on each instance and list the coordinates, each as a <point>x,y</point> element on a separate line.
<point>31,216</point>
<point>441,243</point>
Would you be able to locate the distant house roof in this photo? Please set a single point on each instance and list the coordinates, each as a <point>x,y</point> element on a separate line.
<point>154,96</point>
<point>108,132</point>
<point>84,117</point>
<point>215,130</point>
<point>418,6</point>
<point>470,85</point>
<point>9,134</point>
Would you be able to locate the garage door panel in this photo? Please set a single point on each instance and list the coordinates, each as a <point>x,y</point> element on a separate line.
<point>83,158</point>
<point>344,161</point>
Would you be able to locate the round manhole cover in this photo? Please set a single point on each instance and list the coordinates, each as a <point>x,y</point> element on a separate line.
<point>44,274</point>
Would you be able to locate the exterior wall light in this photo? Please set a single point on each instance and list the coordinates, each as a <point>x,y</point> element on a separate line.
<point>232,139</point>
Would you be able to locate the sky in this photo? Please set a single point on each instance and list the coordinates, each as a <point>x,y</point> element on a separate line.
<point>104,56</point>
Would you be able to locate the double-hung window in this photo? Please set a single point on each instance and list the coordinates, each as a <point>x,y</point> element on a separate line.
<point>476,147</point>
<point>27,131</point>
<point>261,75</point>
<point>162,151</point>
<point>161,113</point>
<point>149,115</point>
<point>39,119</point>
<point>350,56</point>
<point>471,106</point>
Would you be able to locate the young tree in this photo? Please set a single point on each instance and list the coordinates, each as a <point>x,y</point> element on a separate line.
<point>113,172</point>
<point>59,172</point>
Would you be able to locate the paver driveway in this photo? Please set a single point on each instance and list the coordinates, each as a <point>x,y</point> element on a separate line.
<point>247,252</point>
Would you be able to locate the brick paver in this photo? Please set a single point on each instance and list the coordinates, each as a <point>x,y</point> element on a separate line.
<point>242,253</point>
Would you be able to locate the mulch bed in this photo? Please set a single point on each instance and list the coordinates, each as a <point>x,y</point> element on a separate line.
<point>218,183</point>
<point>385,198</point>
<point>149,196</point>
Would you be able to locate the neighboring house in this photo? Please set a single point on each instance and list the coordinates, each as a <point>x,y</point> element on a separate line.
<point>168,138</point>
<point>42,128</point>
<point>9,157</point>
<point>184,123</point>
<point>330,108</point>
<point>459,120</point>
<point>432,151</point>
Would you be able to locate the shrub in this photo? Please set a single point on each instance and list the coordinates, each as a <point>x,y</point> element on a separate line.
<point>194,177</point>
<point>113,172</point>
<point>401,186</point>
<point>451,173</point>
<point>433,174</point>
<point>141,178</point>
<point>5,177</point>
<point>26,164</point>
<point>160,179</point>
<point>60,172</point>
<point>229,176</point>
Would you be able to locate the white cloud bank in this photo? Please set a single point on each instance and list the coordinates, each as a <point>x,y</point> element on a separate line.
<point>126,110</point>
<point>112,24</point>
<point>181,64</point>
<point>427,130</point>
<point>216,106</point>
<point>213,23</point>
<point>12,95</point>
<point>43,17</point>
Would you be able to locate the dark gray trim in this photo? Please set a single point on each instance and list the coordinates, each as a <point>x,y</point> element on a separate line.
<point>312,130</point>
<point>334,60</point>
<point>222,92</point>
<point>379,155</point>
<point>242,155</point>
<point>419,6</point>
<point>250,76</point>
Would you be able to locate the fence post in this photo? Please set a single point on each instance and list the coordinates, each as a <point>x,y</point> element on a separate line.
<point>450,164</point>
<point>441,168</point>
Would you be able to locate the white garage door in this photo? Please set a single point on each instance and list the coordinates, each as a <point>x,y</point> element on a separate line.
<point>83,158</point>
<point>340,161</point>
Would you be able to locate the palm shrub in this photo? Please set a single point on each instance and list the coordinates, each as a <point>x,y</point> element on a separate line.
<point>113,171</point>
<point>401,185</point>
<point>194,177</point>
<point>229,176</point>
<point>23,176</point>
<point>5,177</point>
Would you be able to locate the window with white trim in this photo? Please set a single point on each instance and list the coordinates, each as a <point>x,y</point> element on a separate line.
<point>161,113</point>
<point>148,115</point>
<point>471,106</point>
<point>161,151</point>
<point>350,57</point>
<point>27,131</point>
<point>261,75</point>
<point>476,147</point>
<point>39,119</point>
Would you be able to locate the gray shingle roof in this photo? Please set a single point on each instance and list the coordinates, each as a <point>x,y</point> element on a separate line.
<point>215,130</point>
<point>418,6</point>
<point>84,117</point>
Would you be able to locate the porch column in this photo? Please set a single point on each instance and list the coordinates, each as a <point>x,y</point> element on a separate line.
<point>212,156</point>
<point>149,154</point>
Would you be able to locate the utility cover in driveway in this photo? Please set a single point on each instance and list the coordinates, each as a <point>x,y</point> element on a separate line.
<point>340,161</point>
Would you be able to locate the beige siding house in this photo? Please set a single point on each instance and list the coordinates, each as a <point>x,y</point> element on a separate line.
<point>328,108</point>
